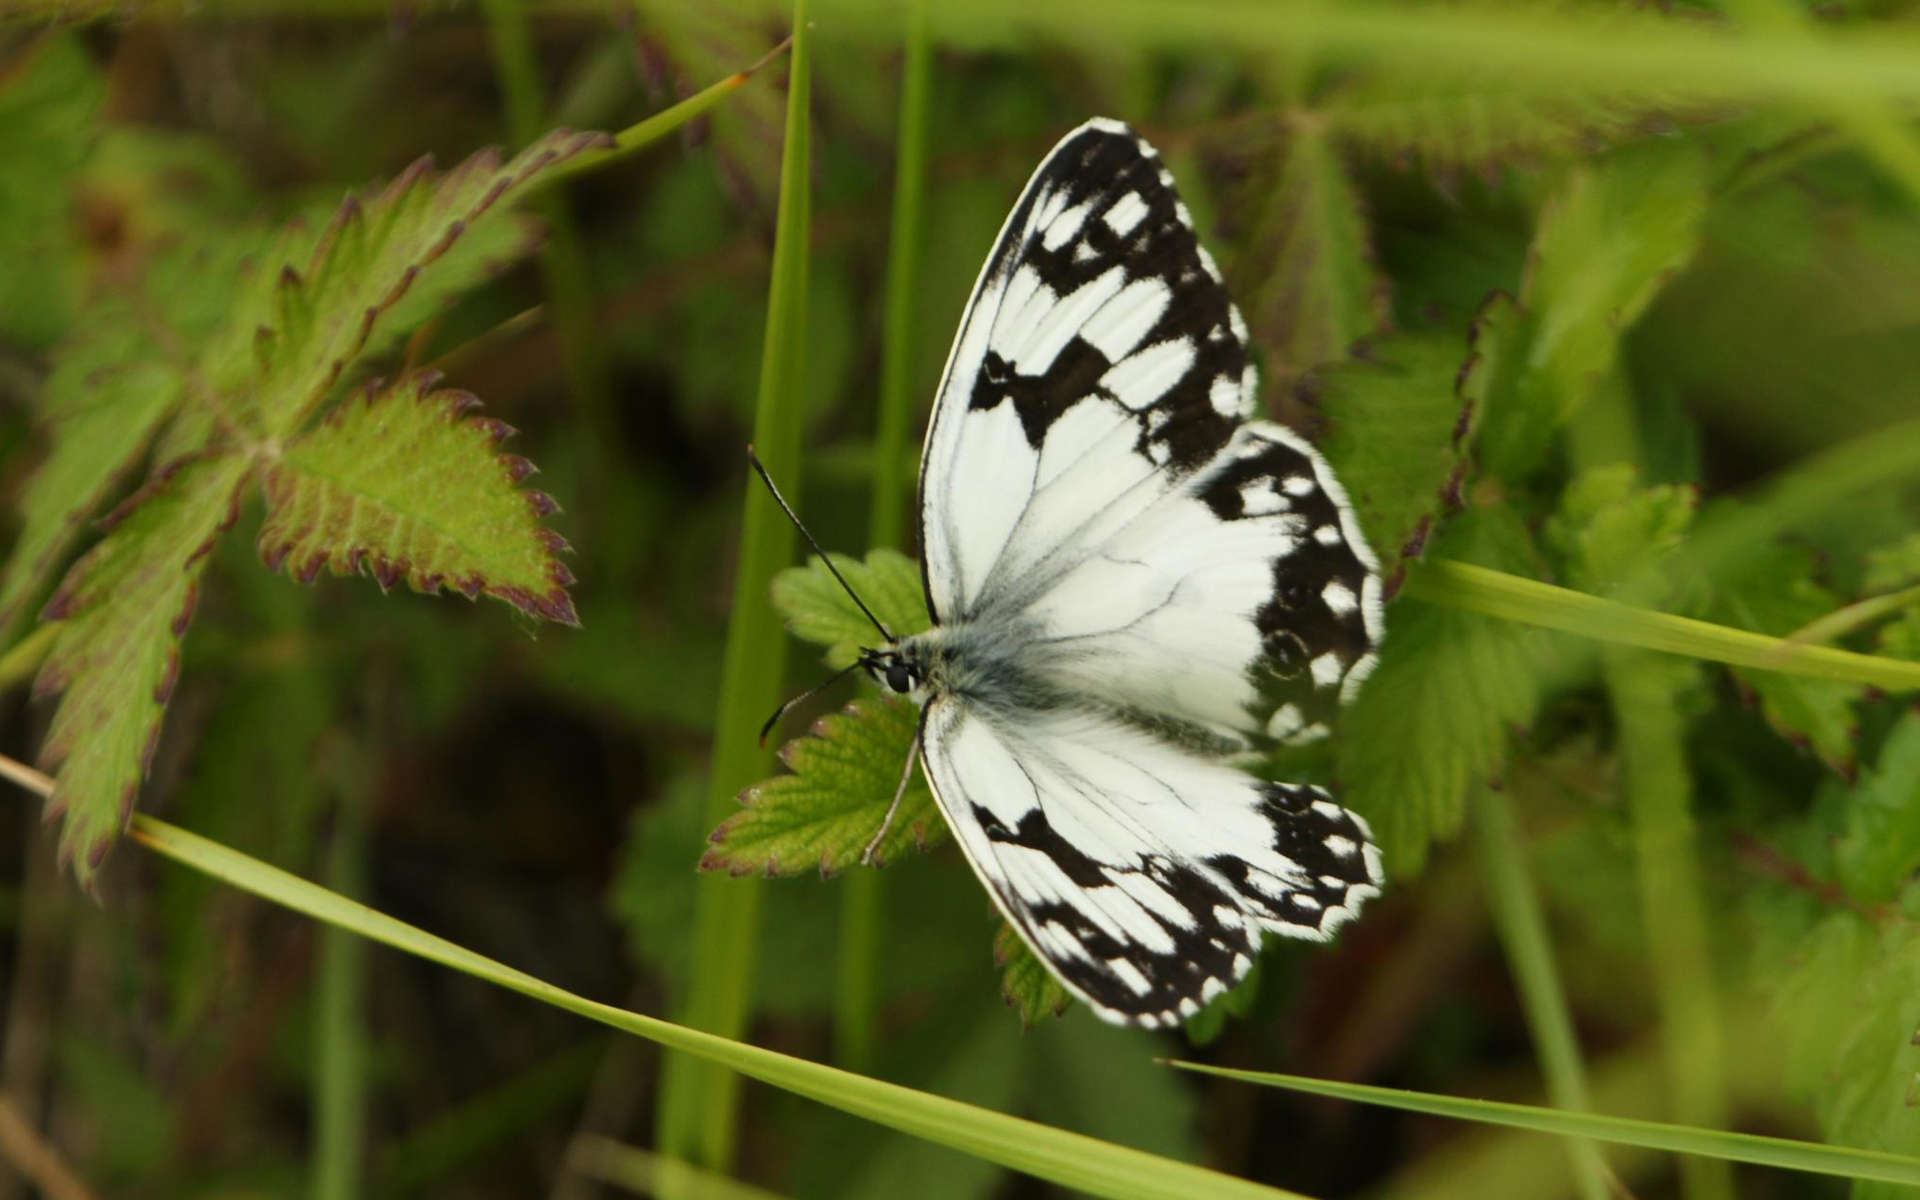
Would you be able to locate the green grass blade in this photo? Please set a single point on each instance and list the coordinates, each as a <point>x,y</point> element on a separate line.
<point>862,915</point>
<point>1523,936</point>
<point>563,258</point>
<point>1069,1159</point>
<point>1845,1161</point>
<point>340,1036</point>
<point>1530,602</point>
<point>644,133</point>
<point>697,1102</point>
<point>645,1173</point>
<point>1571,48</point>
<point>1645,697</point>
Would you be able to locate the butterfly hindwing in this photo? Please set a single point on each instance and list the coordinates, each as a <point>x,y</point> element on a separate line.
<point>1142,875</point>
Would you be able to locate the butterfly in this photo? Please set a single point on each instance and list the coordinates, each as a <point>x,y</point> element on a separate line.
<point>1133,581</point>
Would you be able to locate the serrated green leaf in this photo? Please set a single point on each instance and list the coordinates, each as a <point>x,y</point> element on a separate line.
<point>821,817</point>
<point>818,609</point>
<point>1609,528</point>
<point>1846,1014</point>
<point>1609,238</point>
<point>1433,718</point>
<point>1774,592</point>
<point>385,262</point>
<point>402,484</point>
<point>1026,985</point>
<point>1881,848</point>
<point>97,438</point>
<point>1393,430</point>
<point>125,606</point>
<point>1321,293</point>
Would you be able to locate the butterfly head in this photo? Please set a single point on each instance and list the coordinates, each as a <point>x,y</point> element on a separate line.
<point>896,668</point>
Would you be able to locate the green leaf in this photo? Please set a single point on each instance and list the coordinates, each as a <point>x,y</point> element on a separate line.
<point>1393,434</point>
<point>125,606</point>
<point>1609,239</point>
<point>385,263</point>
<point>1432,720</point>
<point>1609,528</point>
<point>402,484</point>
<point>1881,848</point>
<point>823,814</point>
<point>1026,985</point>
<point>1895,566</point>
<point>50,96</point>
<point>1846,1010</point>
<point>819,610</point>
<point>1321,293</point>
<point>1772,590</point>
<point>101,431</point>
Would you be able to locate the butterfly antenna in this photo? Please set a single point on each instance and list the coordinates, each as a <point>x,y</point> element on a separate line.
<point>788,509</point>
<point>824,684</point>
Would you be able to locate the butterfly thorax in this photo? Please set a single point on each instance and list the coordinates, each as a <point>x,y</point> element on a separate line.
<point>981,663</point>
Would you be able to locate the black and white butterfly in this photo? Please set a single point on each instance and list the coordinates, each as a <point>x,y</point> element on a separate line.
<point>1132,581</point>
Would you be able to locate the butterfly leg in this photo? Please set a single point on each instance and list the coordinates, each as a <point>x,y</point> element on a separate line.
<point>913,757</point>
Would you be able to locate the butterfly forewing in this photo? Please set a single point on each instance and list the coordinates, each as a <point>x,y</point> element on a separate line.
<point>1099,329</point>
<point>1130,578</point>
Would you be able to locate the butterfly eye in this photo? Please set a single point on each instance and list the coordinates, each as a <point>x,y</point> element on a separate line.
<point>900,677</point>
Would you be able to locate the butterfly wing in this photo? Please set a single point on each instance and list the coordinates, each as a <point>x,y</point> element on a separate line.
<point>1090,471</point>
<point>1141,874</point>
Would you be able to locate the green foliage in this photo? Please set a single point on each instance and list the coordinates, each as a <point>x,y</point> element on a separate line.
<point>1880,849</point>
<point>1434,717</point>
<point>818,609</point>
<point>822,815</point>
<point>1609,238</point>
<point>1775,591</point>
<point>1321,293</point>
<point>124,608</point>
<point>1858,1072</point>
<point>403,484</point>
<point>384,264</point>
<point>393,485</point>
<point>1394,432</point>
<point>1026,985</point>
<point>50,97</point>
<point>1476,117</point>
<point>1691,244</point>
<point>1609,529</point>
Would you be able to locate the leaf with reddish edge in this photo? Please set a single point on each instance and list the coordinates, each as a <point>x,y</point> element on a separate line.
<point>125,605</point>
<point>821,817</point>
<point>95,441</point>
<point>1395,431</point>
<point>423,239</point>
<point>1027,986</point>
<point>402,483</point>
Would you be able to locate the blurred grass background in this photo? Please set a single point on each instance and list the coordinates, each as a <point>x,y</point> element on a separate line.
<point>544,798</point>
